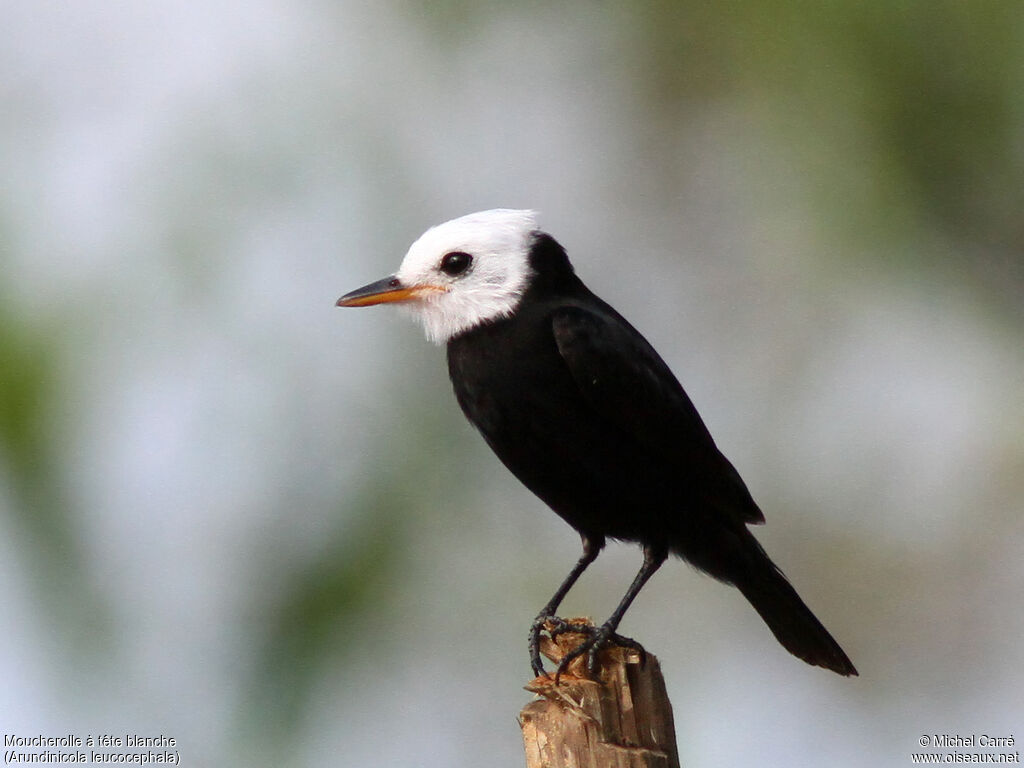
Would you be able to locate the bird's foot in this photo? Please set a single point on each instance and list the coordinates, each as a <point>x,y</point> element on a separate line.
<point>554,626</point>
<point>596,639</point>
<point>542,622</point>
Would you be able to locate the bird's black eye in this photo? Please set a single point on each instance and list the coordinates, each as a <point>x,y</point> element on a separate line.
<point>455,263</point>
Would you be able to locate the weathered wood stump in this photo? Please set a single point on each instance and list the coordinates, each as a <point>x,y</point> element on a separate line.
<point>623,719</point>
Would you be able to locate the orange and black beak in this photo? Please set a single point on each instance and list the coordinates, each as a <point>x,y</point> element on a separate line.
<point>388,290</point>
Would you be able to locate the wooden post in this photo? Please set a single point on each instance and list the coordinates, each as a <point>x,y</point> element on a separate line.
<point>621,720</point>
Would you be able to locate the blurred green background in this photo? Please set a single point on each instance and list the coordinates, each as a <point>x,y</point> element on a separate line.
<point>233,514</point>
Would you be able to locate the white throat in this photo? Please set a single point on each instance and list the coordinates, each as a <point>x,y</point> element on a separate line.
<point>498,242</point>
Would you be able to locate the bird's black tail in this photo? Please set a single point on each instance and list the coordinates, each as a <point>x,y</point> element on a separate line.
<point>789,619</point>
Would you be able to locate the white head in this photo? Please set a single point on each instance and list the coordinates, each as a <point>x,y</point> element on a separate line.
<point>460,274</point>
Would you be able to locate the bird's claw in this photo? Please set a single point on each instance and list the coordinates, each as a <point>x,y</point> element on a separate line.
<point>597,638</point>
<point>554,625</point>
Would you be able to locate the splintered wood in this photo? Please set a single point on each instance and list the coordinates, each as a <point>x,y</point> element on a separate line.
<point>623,719</point>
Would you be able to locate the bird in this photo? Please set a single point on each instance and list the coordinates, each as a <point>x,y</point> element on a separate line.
<point>578,405</point>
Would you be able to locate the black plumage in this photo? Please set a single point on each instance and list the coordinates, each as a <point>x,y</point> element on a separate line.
<point>579,406</point>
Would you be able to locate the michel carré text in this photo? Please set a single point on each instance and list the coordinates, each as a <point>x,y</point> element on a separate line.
<point>974,740</point>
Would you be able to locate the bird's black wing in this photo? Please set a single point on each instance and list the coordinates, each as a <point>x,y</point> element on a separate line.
<point>628,385</point>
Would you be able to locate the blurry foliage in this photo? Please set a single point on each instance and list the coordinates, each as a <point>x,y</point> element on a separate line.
<point>319,612</point>
<point>29,400</point>
<point>946,103</point>
<point>908,118</point>
<point>27,391</point>
<point>327,603</point>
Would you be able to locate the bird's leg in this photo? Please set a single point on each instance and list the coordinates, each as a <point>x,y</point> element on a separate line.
<point>592,545</point>
<point>605,634</point>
